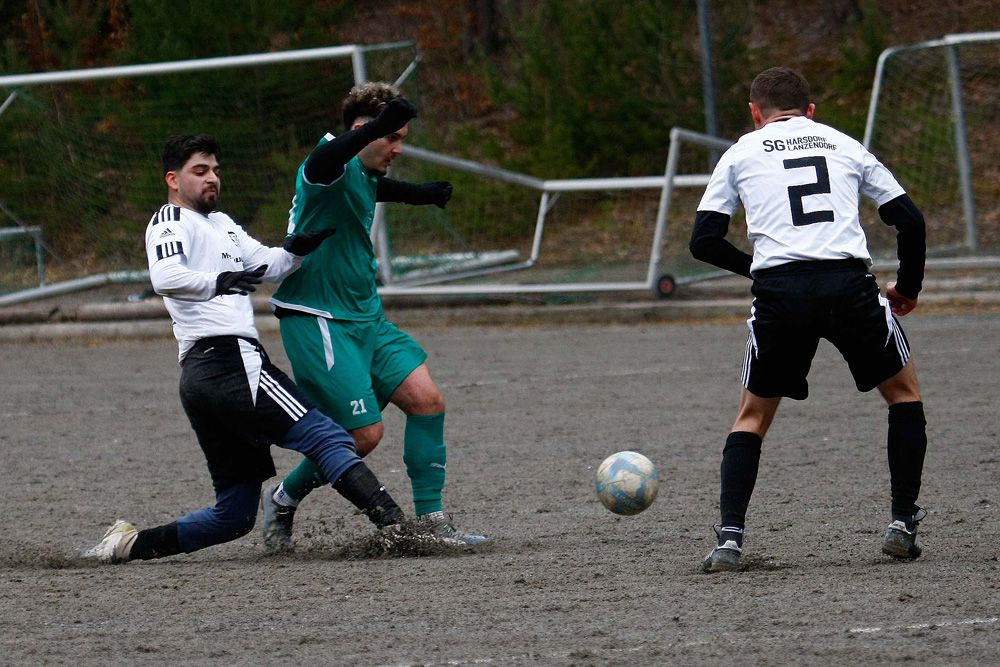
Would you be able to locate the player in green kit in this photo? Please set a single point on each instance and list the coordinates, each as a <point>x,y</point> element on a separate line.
<point>345,355</point>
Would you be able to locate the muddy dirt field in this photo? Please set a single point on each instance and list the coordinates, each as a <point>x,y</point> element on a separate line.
<point>91,433</point>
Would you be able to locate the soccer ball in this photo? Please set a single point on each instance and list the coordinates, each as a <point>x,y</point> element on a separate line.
<point>627,483</point>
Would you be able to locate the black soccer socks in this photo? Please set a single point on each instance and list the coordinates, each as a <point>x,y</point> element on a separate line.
<point>360,486</point>
<point>740,460</point>
<point>156,542</point>
<point>906,444</point>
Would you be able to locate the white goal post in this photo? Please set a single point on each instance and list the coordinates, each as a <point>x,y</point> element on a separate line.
<point>932,120</point>
<point>66,135</point>
<point>549,193</point>
<point>623,221</point>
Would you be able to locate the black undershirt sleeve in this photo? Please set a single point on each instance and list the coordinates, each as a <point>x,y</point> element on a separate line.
<point>326,163</point>
<point>911,249</point>
<point>391,190</point>
<point>709,244</point>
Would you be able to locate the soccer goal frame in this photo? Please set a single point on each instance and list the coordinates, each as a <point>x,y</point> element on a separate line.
<point>953,74</point>
<point>550,190</point>
<point>14,84</point>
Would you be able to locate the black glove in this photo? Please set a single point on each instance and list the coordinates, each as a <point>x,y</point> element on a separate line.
<point>437,192</point>
<point>394,116</point>
<point>239,282</point>
<point>305,242</point>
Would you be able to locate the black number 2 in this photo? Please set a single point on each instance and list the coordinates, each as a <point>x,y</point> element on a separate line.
<point>797,192</point>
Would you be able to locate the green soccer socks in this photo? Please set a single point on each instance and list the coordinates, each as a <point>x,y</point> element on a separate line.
<point>425,458</point>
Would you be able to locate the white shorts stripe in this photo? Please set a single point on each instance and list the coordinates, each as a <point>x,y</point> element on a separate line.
<point>281,397</point>
<point>278,394</point>
<point>280,400</point>
<point>901,345</point>
<point>894,331</point>
<point>747,360</point>
<point>252,364</point>
<point>324,332</point>
<point>751,351</point>
<point>284,392</point>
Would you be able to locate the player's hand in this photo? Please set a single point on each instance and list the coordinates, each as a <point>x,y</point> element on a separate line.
<point>239,282</point>
<point>397,113</point>
<point>899,304</point>
<point>438,192</point>
<point>305,242</point>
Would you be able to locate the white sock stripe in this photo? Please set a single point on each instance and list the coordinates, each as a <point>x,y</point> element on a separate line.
<point>281,397</point>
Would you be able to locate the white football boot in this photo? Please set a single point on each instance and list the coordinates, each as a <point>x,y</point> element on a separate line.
<point>115,546</point>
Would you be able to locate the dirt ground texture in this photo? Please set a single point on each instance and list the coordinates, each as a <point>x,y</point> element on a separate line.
<point>93,432</point>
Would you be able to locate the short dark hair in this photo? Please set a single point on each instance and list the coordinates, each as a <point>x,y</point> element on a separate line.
<point>181,147</point>
<point>367,101</point>
<point>780,89</point>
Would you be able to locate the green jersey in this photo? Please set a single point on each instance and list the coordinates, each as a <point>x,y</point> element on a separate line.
<point>337,281</point>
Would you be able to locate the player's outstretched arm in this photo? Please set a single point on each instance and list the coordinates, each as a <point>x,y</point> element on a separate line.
<point>709,244</point>
<point>303,243</point>
<point>437,193</point>
<point>326,163</point>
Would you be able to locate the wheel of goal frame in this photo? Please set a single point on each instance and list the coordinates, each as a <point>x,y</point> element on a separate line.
<point>665,286</point>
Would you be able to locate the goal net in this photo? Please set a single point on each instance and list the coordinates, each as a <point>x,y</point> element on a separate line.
<point>79,157</point>
<point>526,235</point>
<point>934,122</point>
<point>80,151</point>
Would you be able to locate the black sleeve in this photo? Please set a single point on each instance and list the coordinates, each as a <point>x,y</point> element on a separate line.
<point>709,244</point>
<point>401,192</point>
<point>911,248</point>
<point>326,163</point>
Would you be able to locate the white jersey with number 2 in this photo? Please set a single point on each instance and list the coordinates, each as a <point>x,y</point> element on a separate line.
<point>800,182</point>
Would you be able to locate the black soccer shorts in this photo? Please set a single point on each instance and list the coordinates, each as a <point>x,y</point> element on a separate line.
<point>239,404</point>
<point>798,303</point>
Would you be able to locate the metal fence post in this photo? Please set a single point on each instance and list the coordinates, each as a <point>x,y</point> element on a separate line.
<point>707,79</point>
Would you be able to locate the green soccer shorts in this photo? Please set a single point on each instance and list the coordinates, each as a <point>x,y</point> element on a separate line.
<point>349,369</point>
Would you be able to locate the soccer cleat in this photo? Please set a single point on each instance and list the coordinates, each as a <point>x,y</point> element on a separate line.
<point>391,536</point>
<point>725,556</point>
<point>278,521</point>
<point>116,544</point>
<point>900,539</point>
<point>444,531</point>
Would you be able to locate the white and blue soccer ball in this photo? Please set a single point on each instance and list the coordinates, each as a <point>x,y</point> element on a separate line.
<point>627,483</point>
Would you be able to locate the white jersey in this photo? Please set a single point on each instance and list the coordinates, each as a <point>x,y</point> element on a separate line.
<point>187,251</point>
<point>800,183</point>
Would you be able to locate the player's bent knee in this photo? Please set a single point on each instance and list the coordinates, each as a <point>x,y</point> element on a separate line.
<point>237,524</point>
<point>367,437</point>
<point>430,403</point>
<point>901,387</point>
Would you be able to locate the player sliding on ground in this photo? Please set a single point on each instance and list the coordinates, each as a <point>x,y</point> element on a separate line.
<point>344,353</point>
<point>205,265</point>
<point>800,183</point>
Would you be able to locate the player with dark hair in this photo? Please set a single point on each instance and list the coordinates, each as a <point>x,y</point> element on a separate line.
<point>800,183</point>
<point>344,353</point>
<point>238,402</point>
